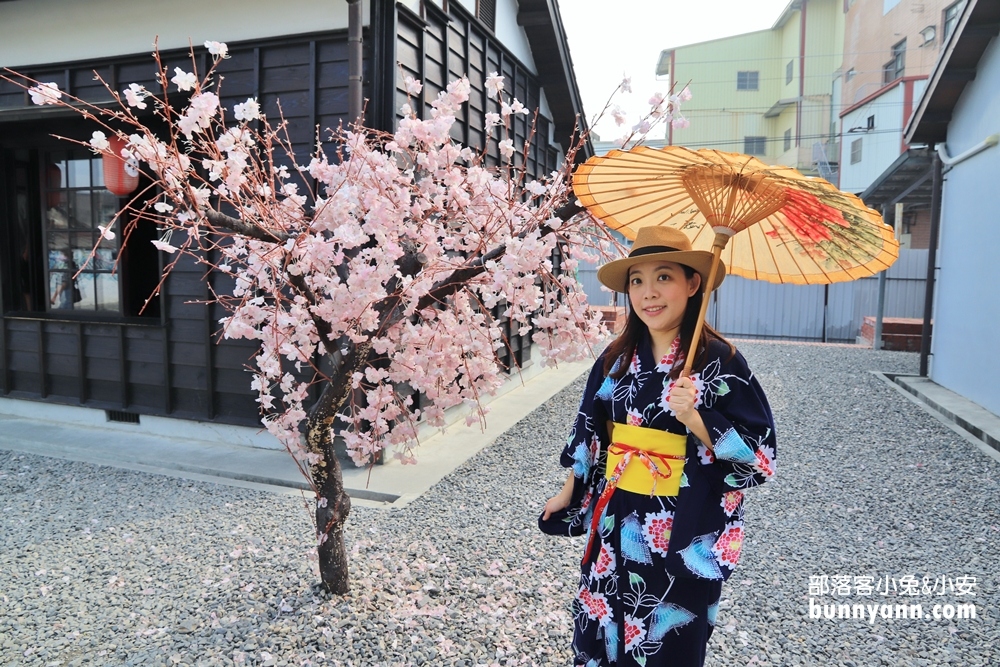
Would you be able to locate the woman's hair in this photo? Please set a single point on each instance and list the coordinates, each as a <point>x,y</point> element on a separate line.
<point>624,346</point>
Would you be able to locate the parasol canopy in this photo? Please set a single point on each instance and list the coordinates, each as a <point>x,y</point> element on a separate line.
<point>785,227</point>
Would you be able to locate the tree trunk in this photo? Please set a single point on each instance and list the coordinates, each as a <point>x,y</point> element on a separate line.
<point>330,520</point>
<point>333,505</point>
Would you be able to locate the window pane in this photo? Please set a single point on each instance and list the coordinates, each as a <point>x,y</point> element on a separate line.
<point>97,173</point>
<point>55,173</point>
<point>107,291</point>
<point>79,173</point>
<point>106,207</point>
<point>61,269</point>
<point>80,214</point>
<point>57,213</point>
<point>104,259</point>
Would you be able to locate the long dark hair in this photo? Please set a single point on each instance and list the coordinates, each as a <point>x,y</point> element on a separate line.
<point>624,346</point>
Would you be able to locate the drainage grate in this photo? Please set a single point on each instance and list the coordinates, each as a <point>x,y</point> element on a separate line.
<point>122,416</point>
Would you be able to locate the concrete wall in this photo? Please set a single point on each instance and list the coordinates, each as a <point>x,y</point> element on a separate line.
<point>966,305</point>
<point>34,32</point>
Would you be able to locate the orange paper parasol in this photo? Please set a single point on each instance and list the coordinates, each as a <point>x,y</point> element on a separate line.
<point>784,227</point>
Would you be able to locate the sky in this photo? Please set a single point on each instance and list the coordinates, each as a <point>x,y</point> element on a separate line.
<point>612,38</point>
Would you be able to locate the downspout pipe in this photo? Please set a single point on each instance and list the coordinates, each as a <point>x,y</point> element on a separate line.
<point>802,74</point>
<point>925,333</point>
<point>355,101</point>
<point>949,162</point>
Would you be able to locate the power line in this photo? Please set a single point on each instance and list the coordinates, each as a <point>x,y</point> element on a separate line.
<point>708,144</point>
<point>842,55</point>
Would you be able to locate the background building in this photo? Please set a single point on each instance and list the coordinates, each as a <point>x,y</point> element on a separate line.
<point>770,93</point>
<point>890,46</point>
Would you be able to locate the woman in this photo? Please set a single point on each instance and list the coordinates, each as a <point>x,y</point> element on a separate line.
<point>659,464</point>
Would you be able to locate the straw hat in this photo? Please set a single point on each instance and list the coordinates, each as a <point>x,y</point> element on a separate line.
<point>657,242</point>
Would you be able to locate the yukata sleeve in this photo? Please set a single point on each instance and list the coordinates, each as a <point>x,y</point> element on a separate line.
<point>739,422</point>
<point>584,454</point>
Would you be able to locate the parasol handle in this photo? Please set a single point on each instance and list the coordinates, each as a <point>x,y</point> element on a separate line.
<point>720,242</point>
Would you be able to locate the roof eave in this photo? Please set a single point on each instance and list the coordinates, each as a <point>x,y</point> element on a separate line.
<point>542,24</point>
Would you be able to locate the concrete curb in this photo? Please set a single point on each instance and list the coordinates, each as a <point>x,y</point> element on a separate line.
<point>975,423</point>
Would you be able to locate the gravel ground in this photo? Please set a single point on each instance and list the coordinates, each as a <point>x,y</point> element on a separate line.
<point>101,566</point>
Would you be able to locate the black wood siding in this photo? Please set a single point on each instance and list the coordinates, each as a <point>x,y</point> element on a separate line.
<point>440,48</point>
<point>177,365</point>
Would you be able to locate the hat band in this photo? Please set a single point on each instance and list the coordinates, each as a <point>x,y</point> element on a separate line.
<point>651,250</point>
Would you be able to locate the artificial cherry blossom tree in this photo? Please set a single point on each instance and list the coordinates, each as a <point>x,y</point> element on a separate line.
<point>367,275</point>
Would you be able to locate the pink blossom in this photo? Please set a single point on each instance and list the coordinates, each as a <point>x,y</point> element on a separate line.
<point>514,107</point>
<point>618,115</point>
<point>45,93</point>
<point>165,247</point>
<point>685,94</point>
<point>680,122</point>
<point>413,87</point>
<point>507,148</point>
<point>135,94</point>
<point>494,84</point>
<point>247,111</point>
<point>626,84</point>
<point>99,141</point>
<point>184,80</point>
<point>217,49</point>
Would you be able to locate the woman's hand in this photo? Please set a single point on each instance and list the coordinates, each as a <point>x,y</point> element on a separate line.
<point>560,501</point>
<point>682,398</point>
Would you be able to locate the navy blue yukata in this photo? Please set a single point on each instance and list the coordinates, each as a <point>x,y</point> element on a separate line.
<point>650,586</point>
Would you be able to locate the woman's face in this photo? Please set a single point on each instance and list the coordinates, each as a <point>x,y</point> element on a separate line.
<point>659,292</point>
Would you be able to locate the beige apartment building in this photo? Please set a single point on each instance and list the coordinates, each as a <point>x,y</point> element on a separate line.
<point>885,40</point>
<point>772,93</point>
<point>890,48</point>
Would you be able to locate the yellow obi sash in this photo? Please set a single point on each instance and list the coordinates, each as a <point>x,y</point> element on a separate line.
<point>648,447</point>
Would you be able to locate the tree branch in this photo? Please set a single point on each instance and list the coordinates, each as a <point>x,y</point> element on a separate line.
<point>244,228</point>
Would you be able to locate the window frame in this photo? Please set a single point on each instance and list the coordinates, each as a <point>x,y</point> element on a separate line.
<point>93,269</point>
<point>751,142</point>
<point>788,140</point>
<point>857,148</point>
<point>748,77</point>
<point>789,71</point>
<point>949,23</point>
<point>896,67</point>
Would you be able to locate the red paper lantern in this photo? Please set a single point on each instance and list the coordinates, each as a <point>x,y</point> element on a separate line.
<point>119,177</point>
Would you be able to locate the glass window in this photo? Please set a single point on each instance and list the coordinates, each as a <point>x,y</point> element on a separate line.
<point>788,139</point>
<point>856,151</point>
<point>894,69</point>
<point>755,145</point>
<point>951,14</point>
<point>747,80</point>
<point>789,71</point>
<point>78,277</point>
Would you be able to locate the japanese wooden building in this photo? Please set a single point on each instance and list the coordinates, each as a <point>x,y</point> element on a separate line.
<point>95,346</point>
